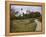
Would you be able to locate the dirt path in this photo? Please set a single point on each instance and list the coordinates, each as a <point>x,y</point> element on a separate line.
<point>38,27</point>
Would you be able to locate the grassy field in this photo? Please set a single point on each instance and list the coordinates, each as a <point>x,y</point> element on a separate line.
<point>24,25</point>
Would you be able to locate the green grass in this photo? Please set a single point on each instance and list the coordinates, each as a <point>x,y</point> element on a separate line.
<point>25,25</point>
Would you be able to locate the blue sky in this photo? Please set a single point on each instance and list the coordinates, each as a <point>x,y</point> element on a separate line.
<point>31,8</point>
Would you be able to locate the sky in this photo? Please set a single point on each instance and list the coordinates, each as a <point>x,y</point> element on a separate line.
<point>31,8</point>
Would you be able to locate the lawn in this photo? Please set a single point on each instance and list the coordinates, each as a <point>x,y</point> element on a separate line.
<point>24,25</point>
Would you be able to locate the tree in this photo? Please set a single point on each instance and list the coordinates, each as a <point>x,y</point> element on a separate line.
<point>36,14</point>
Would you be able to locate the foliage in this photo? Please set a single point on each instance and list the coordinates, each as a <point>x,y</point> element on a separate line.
<point>25,16</point>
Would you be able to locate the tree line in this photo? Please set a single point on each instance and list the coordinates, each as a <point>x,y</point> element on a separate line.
<point>25,16</point>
